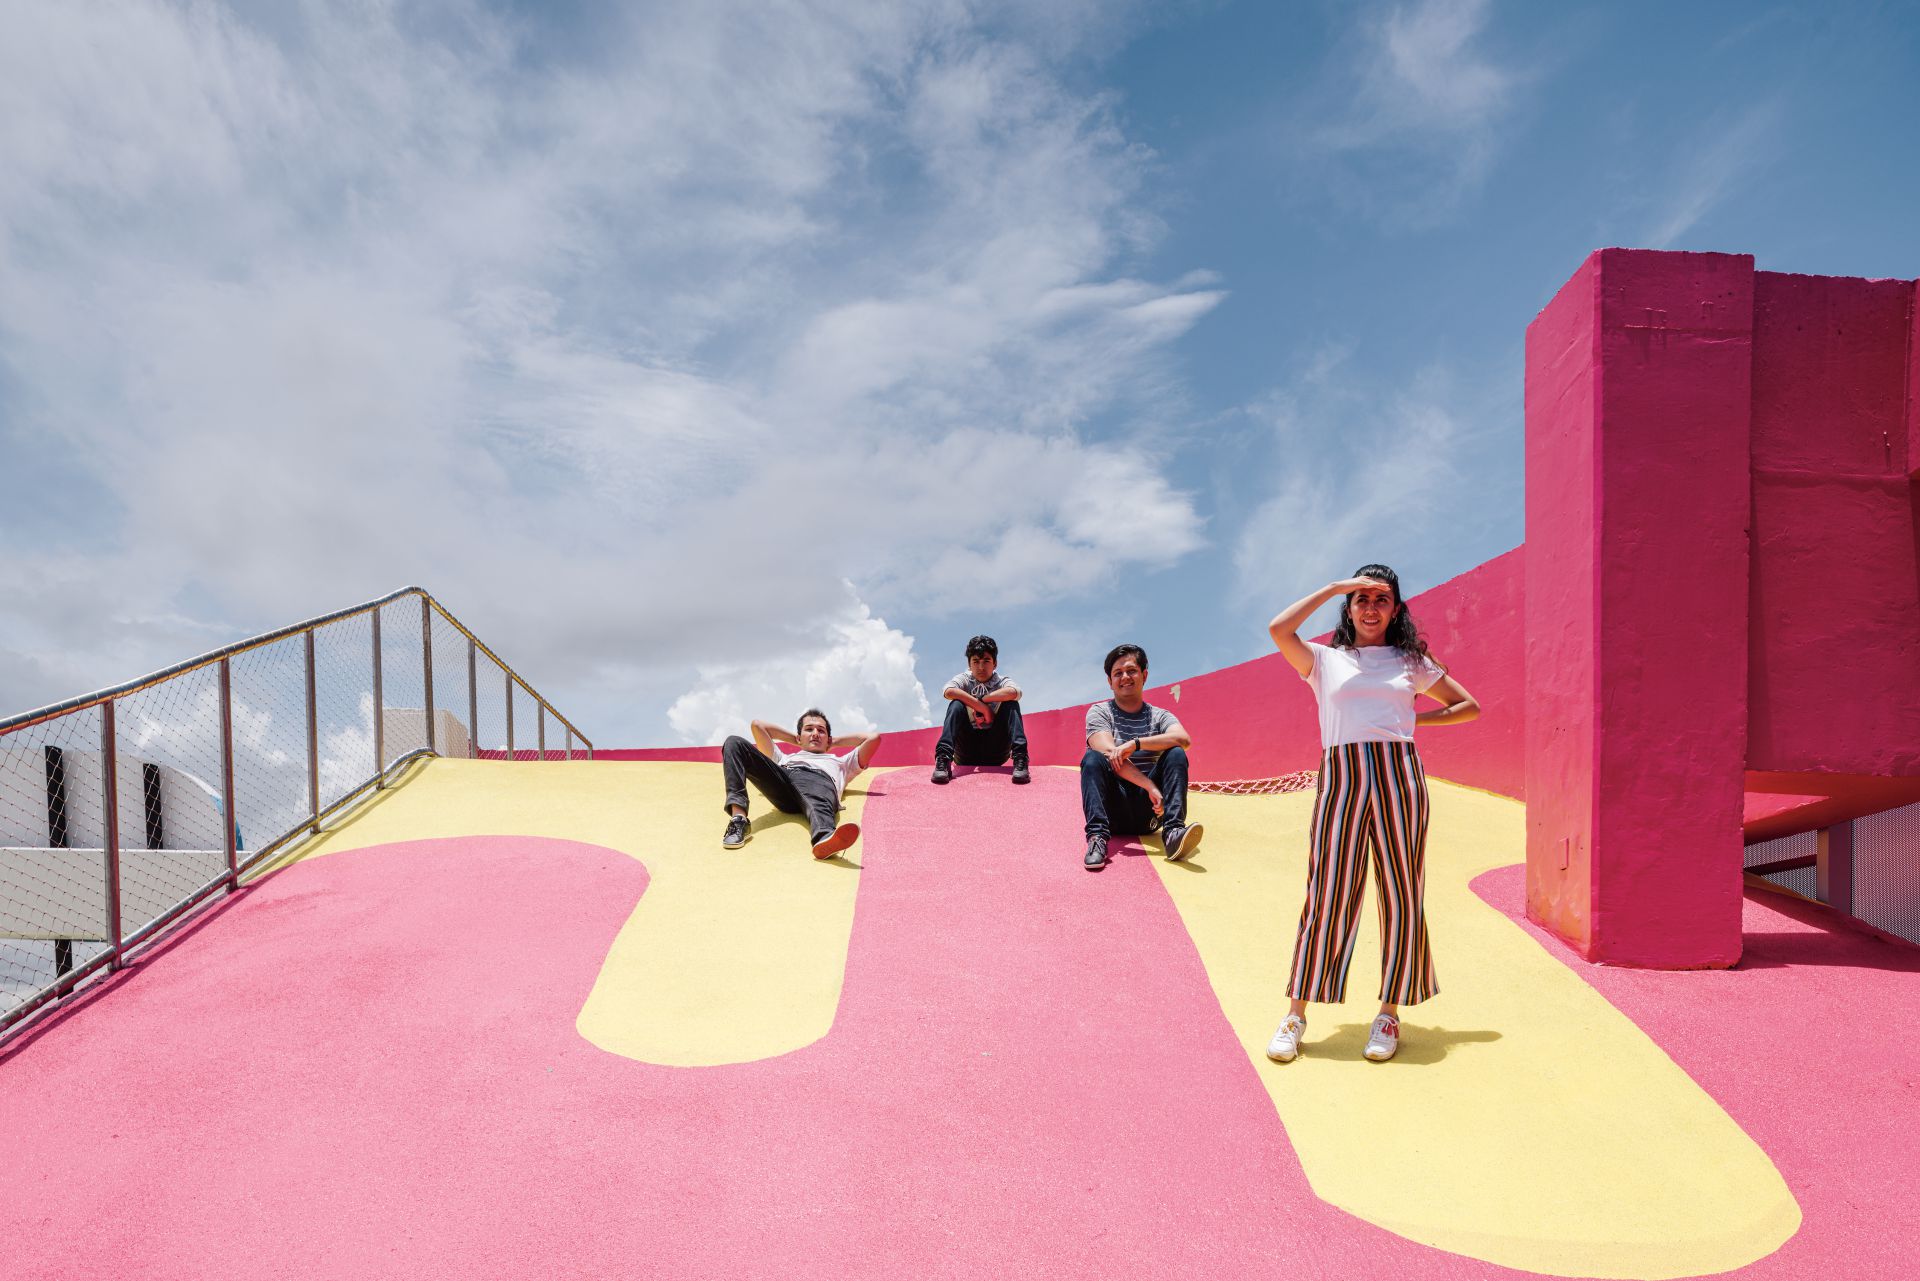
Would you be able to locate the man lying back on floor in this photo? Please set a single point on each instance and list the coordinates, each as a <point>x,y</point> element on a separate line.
<point>809,781</point>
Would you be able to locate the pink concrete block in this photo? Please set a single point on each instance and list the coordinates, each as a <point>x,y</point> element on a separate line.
<point>1637,507</point>
<point>1675,378</point>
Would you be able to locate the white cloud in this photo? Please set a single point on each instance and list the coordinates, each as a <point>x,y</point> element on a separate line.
<point>858,670</point>
<point>1370,500</point>
<point>308,307</point>
<point>1426,109</point>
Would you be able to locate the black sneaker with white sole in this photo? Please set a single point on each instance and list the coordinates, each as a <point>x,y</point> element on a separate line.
<point>736,834</point>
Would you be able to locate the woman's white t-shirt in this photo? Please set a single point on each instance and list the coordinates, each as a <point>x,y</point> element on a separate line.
<point>1366,695</point>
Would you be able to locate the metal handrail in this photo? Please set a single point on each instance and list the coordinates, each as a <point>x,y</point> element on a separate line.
<point>121,943</point>
<point>22,720</point>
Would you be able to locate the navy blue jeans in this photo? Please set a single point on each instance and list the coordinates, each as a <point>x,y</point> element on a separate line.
<point>1112,804</point>
<point>990,745</point>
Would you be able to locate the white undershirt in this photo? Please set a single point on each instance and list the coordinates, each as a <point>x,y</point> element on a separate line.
<point>840,769</point>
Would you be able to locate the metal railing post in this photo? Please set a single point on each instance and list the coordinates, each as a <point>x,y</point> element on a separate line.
<point>227,806</point>
<point>110,827</point>
<point>569,742</point>
<point>313,739</point>
<point>509,716</point>
<point>379,711</point>
<point>540,722</point>
<point>426,663</point>
<point>473,698</point>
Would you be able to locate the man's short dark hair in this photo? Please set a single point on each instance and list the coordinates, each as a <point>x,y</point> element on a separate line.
<point>809,714</point>
<point>983,645</point>
<point>1119,652</point>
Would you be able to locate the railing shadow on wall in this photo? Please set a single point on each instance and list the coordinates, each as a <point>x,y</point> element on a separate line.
<point>124,810</point>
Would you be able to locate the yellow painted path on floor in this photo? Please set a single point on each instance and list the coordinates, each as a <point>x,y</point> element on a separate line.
<point>1525,1121</point>
<point>730,955</point>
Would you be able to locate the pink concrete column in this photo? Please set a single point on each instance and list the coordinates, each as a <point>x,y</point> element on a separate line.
<point>1913,391</point>
<point>1637,402</point>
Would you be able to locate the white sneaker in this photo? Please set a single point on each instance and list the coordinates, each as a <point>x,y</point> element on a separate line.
<point>1285,1045</point>
<point>1385,1038</point>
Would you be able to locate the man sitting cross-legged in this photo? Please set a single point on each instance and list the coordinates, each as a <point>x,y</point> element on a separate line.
<point>1134,775</point>
<point>983,719</point>
<point>809,781</point>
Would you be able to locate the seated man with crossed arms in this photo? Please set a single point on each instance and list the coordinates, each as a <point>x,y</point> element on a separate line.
<point>983,725</point>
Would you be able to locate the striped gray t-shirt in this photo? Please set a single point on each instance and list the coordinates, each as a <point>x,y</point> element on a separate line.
<point>1145,723</point>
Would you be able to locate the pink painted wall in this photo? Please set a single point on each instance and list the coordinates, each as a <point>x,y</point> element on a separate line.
<point>1257,720</point>
<point>1834,641</point>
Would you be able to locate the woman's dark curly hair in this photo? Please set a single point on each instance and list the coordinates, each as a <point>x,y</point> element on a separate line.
<point>1401,632</point>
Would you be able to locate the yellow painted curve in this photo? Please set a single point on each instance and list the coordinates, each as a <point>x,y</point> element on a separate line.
<point>1526,1121</point>
<point>730,956</point>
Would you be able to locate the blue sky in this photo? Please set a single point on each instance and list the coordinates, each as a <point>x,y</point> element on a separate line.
<point>713,359</point>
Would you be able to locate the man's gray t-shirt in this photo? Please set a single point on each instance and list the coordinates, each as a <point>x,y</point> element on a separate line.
<point>965,683</point>
<point>1145,723</point>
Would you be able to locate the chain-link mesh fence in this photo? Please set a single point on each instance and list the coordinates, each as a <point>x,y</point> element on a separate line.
<point>172,825</point>
<point>490,684</point>
<point>453,695</point>
<point>343,705</point>
<point>114,814</point>
<point>525,728</point>
<point>403,680</point>
<point>273,787</point>
<point>1799,848</point>
<point>53,902</point>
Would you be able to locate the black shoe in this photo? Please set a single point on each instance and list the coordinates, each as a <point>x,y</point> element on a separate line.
<point>1021,773</point>
<point>1181,842</point>
<point>736,835</point>
<point>1096,853</point>
<point>943,771</point>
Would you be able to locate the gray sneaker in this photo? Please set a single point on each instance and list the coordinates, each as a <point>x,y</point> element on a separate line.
<point>736,833</point>
<point>1384,1039</point>
<point>1285,1045</point>
<point>1181,842</point>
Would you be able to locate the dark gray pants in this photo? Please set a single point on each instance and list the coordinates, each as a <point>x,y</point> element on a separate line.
<point>791,789</point>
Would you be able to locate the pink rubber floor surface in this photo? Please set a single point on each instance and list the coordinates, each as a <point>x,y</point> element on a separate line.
<point>367,1067</point>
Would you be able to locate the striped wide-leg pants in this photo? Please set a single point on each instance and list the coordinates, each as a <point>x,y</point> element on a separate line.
<point>1372,800</point>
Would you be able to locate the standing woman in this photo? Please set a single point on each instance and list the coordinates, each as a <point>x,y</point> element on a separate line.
<point>1372,798</point>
